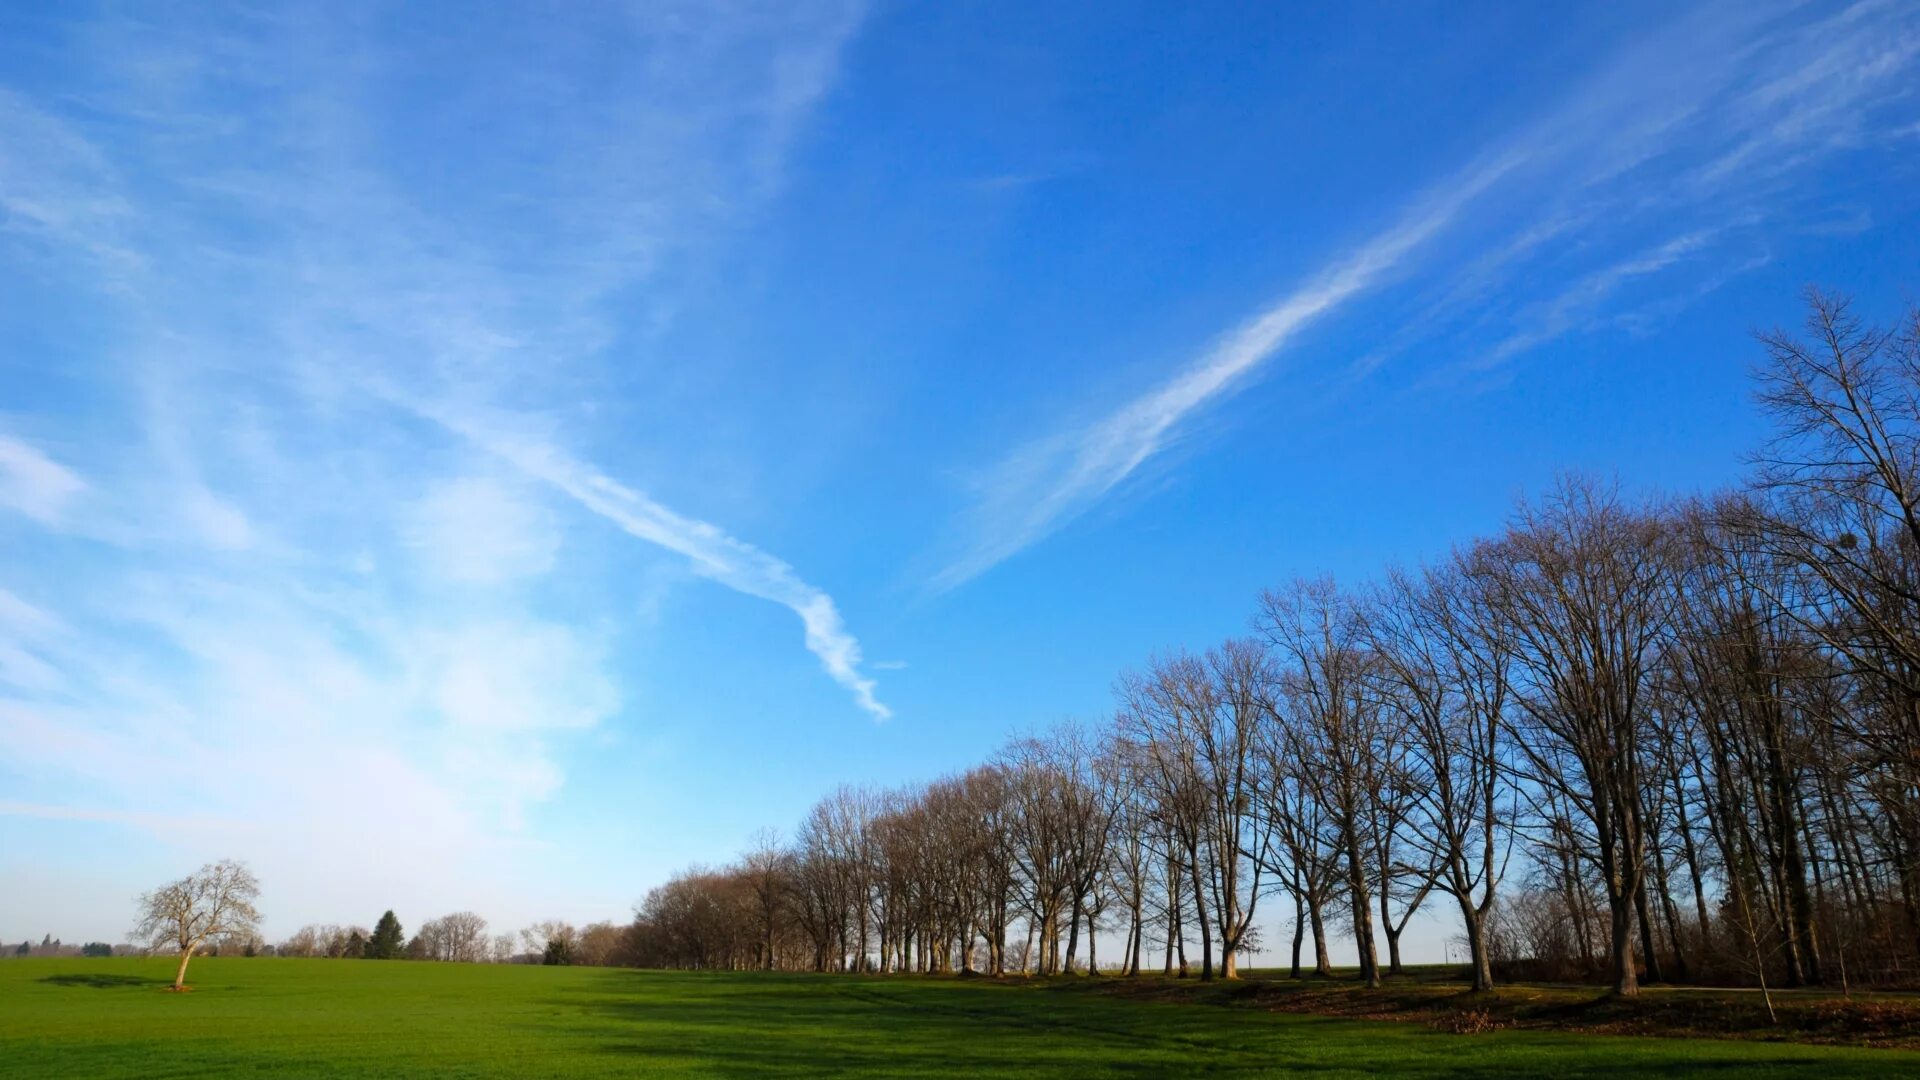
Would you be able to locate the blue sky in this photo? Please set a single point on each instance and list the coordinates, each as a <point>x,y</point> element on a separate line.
<point>490,462</point>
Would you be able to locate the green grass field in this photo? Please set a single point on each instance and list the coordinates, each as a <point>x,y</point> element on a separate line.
<point>309,1018</point>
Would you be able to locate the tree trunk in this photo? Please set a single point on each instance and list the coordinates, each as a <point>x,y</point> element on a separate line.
<point>1626,980</point>
<point>1200,916</point>
<point>180,976</point>
<point>1139,941</point>
<point>1362,919</point>
<point>1669,912</point>
<point>1477,946</point>
<point>1166,961</point>
<point>1648,939</point>
<point>1322,962</point>
<point>1093,957</point>
<point>1073,935</point>
<point>1692,856</point>
<point>1173,919</point>
<point>1299,931</point>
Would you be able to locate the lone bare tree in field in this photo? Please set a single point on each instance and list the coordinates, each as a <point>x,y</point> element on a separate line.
<point>213,903</point>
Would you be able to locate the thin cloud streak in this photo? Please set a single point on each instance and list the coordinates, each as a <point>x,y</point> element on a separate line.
<point>35,484</point>
<point>155,823</point>
<point>1053,482</point>
<point>712,553</point>
<point>1564,310</point>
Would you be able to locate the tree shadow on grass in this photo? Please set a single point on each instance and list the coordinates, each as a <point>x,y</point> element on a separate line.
<point>790,1026</point>
<point>103,981</point>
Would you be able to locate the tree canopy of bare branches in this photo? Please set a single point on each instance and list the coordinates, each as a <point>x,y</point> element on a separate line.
<point>211,904</point>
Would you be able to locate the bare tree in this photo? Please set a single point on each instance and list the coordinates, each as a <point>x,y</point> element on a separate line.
<point>1159,722</point>
<point>1133,859</point>
<point>214,903</point>
<point>553,940</point>
<point>598,944</point>
<point>1049,829</point>
<point>1841,488</point>
<point>1583,582</point>
<point>1301,852</point>
<point>1196,724</point>
<point>460,937</point>
<point>1334,716</point>
<point>1228,738</point>
<point>1447,659</point>
<point>306,941</point>
<point>769,870</point>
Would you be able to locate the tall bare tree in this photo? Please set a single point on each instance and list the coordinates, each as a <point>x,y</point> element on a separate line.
<point>1446,658</point>
<point>769,872</point>
<point>1841,487</point>
<point>1582,580</point>
<point>1333,716</point>
<point>214,903</point>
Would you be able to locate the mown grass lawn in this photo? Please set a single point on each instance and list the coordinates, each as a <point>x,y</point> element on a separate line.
<point>311,1018</point>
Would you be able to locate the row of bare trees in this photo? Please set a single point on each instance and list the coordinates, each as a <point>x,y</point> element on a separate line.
<point>1626,739</point>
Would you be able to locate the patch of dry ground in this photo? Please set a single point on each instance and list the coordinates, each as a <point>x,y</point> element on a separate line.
<point>1872,1019</point>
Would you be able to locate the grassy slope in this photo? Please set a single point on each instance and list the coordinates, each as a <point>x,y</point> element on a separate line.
<point>81,1018</point>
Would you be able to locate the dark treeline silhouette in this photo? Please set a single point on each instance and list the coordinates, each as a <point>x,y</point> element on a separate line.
<point>51,946</point>
<point>1622,740</point>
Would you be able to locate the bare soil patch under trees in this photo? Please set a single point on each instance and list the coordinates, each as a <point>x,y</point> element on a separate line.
<point>1445,1004</point>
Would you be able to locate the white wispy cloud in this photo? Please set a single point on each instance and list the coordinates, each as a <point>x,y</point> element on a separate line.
<point>1706,116</point>
<point>477,530</point>
<point>57,190</point>
<point>1047,483</point>
<point>24,632</point>
<point>34,484</point>
<point>151,822</point>
<point>710,551</point>
<point>1555,316</point>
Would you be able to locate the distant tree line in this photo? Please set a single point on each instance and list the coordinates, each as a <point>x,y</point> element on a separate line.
<point>1623,739</point>
<point>461,937</point>
<point>51,946</point>
<point>211,912</point>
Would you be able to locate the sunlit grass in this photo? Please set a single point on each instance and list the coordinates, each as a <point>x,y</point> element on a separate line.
<point>87,1018</point>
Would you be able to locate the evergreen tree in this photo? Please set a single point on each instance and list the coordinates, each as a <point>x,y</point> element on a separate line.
<point>387,942</point>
